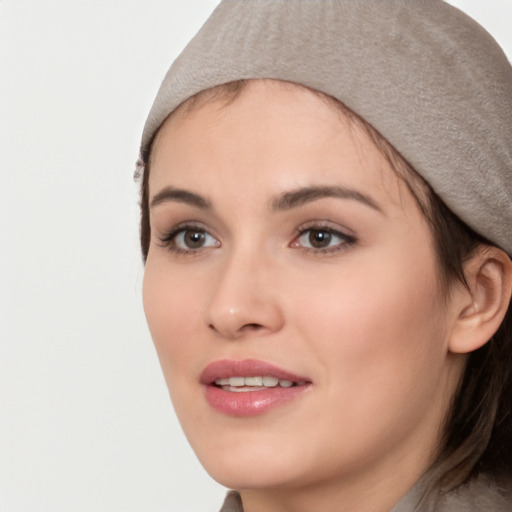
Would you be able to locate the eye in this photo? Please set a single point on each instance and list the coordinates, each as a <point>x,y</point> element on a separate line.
<point>193,239</point>
<point>322,239</point>
<point>186,239</point>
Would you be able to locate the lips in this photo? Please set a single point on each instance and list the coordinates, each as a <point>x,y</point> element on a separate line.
<point>249,387</point>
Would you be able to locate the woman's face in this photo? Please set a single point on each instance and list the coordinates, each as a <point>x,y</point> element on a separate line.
<point>285,249</point>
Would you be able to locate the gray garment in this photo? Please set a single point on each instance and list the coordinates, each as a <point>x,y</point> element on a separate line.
<point>481,495</point>
<point>431,80</point>
<point>232,503</point>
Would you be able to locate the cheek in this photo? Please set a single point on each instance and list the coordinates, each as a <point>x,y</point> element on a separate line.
<point>378,302</point>
<point>172,311</point>
<point>379,342</point>
<point>382,329</point>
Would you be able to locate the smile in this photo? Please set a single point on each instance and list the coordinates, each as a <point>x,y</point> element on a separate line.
<point>249,387</point>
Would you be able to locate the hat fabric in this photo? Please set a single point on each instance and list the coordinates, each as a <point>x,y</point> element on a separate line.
<point>431,80</point>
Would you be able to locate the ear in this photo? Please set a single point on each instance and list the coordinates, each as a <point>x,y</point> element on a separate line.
<point>483,305</point>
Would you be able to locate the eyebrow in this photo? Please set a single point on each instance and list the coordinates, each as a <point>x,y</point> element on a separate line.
<point>305,195</point>
<point>180,196</point>
<point>286,201</point>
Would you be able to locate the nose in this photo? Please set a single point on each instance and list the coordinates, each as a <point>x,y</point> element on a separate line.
<point>244,299</point>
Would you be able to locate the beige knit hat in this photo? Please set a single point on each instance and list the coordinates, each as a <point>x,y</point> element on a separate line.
<point>425,75</point>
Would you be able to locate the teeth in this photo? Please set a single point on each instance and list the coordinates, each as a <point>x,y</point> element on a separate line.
<point>270,382</point>
<point>253,381</point>
<point>236,381</point>
<point>256,381</point>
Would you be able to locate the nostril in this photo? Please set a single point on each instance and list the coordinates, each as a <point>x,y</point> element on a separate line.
<point>251,327</point>
<point>244,328</point>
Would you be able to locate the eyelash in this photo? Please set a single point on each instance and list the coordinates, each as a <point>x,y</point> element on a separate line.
<point>346,240</point>
<point>169,240</point>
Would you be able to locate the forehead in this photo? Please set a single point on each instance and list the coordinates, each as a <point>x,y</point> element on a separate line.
<point>270,133</point>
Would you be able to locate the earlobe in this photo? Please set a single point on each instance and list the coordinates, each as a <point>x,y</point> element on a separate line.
<point>484,303</point>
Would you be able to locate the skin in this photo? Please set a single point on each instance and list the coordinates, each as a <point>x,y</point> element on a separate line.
<point>364,318</point>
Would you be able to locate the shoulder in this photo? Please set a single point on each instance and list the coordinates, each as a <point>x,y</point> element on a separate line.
<point>480,495</point>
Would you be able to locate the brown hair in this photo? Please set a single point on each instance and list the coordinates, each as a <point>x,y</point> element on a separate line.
<point>478,431</point>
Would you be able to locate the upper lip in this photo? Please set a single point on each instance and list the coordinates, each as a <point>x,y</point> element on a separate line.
<point>225,368</point>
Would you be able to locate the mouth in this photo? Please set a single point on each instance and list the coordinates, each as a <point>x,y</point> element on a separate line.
<point>240,384</point>
<point>249,387</point>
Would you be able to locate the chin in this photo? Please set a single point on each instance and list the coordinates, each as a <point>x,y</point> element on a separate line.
<point>264,475</point>
<point>250,464</point>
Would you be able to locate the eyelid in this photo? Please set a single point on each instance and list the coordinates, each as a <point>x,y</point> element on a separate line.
<point>327,225</point>
<point>348,239</point>
<point>167,240</point>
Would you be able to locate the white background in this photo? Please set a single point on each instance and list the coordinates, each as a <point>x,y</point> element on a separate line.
<point>85,420</point>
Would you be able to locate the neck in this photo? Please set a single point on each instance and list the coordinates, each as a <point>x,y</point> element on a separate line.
<point>376,491</point>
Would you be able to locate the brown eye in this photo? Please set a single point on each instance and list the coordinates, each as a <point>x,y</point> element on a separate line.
<point>194,239</point>
<point>188,239</point>
<point>323,240</point>
<point>319,238</point>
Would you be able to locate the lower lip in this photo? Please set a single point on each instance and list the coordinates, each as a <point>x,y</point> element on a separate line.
<point>251,403</point>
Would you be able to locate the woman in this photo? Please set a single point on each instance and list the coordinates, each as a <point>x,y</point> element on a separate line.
<point>326,219</point>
